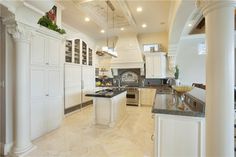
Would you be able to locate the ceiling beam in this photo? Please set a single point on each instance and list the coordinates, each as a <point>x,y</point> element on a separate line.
<point>125,9</point>
<point>82,1</point>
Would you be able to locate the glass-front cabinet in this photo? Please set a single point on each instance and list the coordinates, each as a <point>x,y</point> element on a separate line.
<point>77,51</point>
<point>84,53</point>
<point>90,57</point>
<point>68,49</point>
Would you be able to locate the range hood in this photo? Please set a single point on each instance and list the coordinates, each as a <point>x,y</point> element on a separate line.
<point>128,51</point>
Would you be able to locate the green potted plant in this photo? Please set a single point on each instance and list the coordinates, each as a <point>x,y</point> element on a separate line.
<point>46,22</point>
<point>177,75</point>
<point>176,72</point>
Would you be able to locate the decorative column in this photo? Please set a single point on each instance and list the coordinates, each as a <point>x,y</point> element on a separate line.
<point>219,16</point>
<point>22,142</point>
<point>171,58</point>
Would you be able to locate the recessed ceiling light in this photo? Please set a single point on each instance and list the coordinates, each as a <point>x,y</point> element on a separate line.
<point>139,9</point>
<point>144,25</point>
<point>122,28</point>
<point>102,31</point>
<point>190,25</point>
<point>86,19</point>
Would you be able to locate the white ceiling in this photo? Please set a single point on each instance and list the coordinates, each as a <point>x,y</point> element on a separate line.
<point>154,13</point>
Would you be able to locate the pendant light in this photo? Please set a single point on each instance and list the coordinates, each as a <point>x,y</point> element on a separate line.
<point>106,49</point>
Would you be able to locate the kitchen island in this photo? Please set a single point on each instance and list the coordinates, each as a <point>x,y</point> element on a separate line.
<point>109,106</point>
<point>179,129</point>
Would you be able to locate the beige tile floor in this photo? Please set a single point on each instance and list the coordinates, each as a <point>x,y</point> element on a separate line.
<point>78,137</point>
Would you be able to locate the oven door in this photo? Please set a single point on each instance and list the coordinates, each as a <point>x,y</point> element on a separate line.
<point>132,98</point>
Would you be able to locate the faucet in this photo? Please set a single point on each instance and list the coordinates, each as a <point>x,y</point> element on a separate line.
<point>118,82</point>
<point>171,81</point>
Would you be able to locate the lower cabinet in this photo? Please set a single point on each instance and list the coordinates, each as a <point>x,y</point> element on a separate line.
<point>179,136</point>
<point>88,82</point>
<point>79,80</point>
<point>73,85</point>
<point>46,100</point>
<point>147,96</point>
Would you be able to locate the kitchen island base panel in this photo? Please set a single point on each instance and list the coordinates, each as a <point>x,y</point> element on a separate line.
<point>109,111</point>
<point>177,135</point>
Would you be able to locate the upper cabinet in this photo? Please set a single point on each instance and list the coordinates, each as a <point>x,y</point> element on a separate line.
<point>45,51</point>
<point>155,65</point>
<point>90,57</point>
<point>84,53</point>
<point>77,51</point>
<point>68,55</point>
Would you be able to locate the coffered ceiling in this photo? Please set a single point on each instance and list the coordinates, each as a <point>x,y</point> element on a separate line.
<point>154,14</point>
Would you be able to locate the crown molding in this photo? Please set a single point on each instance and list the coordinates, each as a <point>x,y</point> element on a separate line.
<point>207,6</point>
<point>172,50</point>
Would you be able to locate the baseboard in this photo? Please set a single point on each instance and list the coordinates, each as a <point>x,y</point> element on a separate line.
<point>5,148</point>
<point>77,107</point>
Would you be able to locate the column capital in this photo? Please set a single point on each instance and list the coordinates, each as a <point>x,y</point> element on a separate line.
<point>207,6</point>
<point>172,50</point>
<point>18,30</point>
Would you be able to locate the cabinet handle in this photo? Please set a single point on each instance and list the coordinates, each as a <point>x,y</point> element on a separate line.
<point>152,137</point>
<point>47,63</point>
<point>47,94</point>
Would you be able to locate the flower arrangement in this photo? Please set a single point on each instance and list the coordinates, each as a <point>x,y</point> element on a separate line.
<point>49,22</point>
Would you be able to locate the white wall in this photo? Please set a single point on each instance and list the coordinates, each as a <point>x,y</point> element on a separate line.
<point>72,33</point>
<point>192,66</point>
<point>151,38</point>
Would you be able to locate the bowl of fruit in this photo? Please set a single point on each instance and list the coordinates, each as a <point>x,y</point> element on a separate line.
<point>182,89</point>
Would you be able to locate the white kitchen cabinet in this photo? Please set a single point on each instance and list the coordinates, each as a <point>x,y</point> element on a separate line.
<point>38,54</point>
<point>52,49</point>
<point>46,85</point>
<point>88,81</point>
<point>73,88</point>
<point>109,111</point>
<point>147,96</point>
<point>155,65</point>
<point>176,136</point>
<point>79,80</point>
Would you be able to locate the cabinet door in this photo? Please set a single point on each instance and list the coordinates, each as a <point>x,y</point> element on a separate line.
<point>73,91</point>
<point>54,113</point>
<point>54,102</point>
<point>54,82</point>
<point>147,96</point>
<point>149,67</point>
<point>38,55</point>
<point>88,80</point>
<point>38,107</point>
<point>163,66</point>
<point>53,51</point>
<point>38,120</point>
<point>144,95</point>
<point>157,71</point>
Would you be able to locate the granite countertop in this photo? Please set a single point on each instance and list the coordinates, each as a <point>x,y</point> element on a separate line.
<point>107,93</point>
<point>166,104</point>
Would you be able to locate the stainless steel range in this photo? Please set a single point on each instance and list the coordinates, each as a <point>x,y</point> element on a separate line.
<point>130,78</point>
<point>132,96</point>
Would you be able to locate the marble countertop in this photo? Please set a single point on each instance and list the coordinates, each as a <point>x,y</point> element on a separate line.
<point>167,104</point>
<point>107,93</point>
